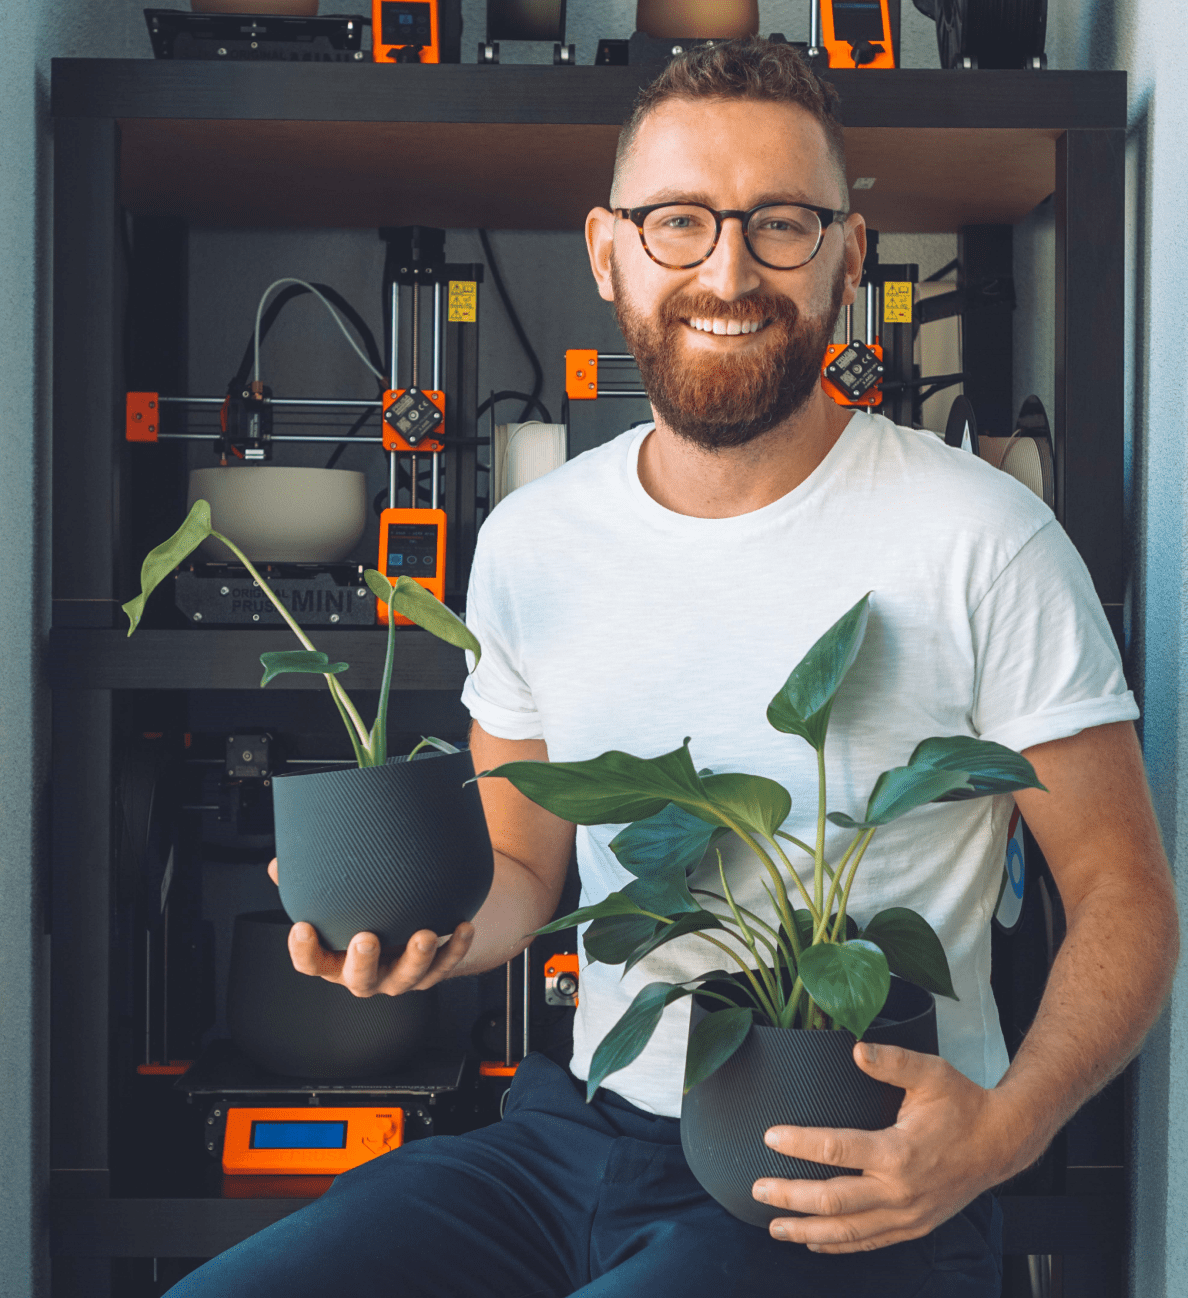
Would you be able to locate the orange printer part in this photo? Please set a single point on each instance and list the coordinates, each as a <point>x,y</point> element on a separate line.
<point>581,374</point>
<point>414,421</point>
<point>142,416</point>
<point>405,33</point>
<point>857,33</point>
<point>412,543</point>
<point>308,1140</point>
<point>866,376</point>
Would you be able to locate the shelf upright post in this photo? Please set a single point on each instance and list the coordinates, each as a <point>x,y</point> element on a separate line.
<point>1090,310</point>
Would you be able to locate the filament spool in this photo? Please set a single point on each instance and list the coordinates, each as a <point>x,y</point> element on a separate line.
<point>521,453</point>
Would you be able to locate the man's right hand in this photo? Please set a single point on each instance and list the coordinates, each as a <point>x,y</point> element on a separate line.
<point>363,969</point>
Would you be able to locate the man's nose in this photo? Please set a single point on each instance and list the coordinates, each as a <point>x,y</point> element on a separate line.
<point>730,272</point>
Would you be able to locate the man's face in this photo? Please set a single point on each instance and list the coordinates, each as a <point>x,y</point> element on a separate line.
<point>714,387</point>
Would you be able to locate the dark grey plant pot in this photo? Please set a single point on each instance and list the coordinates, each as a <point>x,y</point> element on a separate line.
<point>789,1077</point>
<point>383,849</point>
<point>300,1026</point>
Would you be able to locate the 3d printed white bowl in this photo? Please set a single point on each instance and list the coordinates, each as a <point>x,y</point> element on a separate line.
<point>282,515</point>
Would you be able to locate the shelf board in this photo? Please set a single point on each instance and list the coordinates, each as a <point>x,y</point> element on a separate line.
<point>272,145</point>
<point>92,659</point>
<point>1083,1224</point>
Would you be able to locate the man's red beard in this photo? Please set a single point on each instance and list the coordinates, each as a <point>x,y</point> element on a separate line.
<point>727,400</point>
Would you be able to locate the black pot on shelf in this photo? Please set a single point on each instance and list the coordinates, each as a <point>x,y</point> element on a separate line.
<point>383,849</point>
<point>301,1026</point>
<point>790,1077</point>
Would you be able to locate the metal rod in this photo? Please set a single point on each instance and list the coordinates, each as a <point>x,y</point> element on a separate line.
<point>527,996</point>
<point>275,401</point>
<point>391,479</point>
<point>620,392</point>
<point>814,24</point>
<point>276,437</point>
<point>394,358</point>
<point>849,322</point>
<point>412,490</point>
<point>616,356</point>
<point>436,472</point>
<point>507,1018</point>
<point>148,996</point>
<point>437,337</point>
<point>870,313</point>
<point>416,337</point>
<point>165,984</point>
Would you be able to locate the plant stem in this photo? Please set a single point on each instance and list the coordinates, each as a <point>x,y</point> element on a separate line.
<point>840,925</point>
<point>768,1008</point>
<point>822,924</point>
<point>777,878</point>
<point>775,935</point>
<point>813,910</point>
<point>345,707</point>
<point>819,854</point>
<point>791,838</point>
<point>748,938</point>
<point>379,732</point>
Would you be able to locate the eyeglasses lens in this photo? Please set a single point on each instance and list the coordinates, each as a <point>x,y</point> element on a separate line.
<point>683,234</point>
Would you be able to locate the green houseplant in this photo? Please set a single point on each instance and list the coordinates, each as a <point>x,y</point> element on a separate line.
<point>808,966</point>
<point>393,845</point>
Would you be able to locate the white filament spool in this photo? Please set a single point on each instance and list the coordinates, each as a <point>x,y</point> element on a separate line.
<point>1027,459</point>
<point>521,453</point>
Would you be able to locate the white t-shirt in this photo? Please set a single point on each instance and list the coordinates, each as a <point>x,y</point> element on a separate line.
<point>608,621</point>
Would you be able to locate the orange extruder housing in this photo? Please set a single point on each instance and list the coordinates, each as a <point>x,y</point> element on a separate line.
<point>385,51</point>
<point>841,53</point>
<point>872,397</point>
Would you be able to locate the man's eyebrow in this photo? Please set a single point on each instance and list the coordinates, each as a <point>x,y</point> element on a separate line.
<point>699,196</point>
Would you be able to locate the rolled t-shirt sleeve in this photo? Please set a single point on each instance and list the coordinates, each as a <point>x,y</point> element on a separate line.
<point>1047,663</point>
<point>495,692</point>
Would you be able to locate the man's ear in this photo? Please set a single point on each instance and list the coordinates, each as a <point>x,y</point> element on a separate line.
<point>854,233</point>
<point>600,240</point>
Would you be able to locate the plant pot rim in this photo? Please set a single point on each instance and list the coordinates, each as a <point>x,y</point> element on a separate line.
<point>399,760</point>
<point>927,1006</point>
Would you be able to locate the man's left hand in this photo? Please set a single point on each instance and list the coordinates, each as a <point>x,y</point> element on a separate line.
<point>952,1140</point>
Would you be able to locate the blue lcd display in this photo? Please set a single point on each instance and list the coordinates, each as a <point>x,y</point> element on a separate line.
<point>298,1135</point>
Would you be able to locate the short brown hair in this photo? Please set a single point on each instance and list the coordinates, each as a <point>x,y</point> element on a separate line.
<point>748,68</point>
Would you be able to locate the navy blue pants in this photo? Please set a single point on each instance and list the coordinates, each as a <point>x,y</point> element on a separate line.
<point>563,1198</point>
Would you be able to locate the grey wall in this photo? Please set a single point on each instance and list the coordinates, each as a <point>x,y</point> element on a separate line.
<point>1132,34</point>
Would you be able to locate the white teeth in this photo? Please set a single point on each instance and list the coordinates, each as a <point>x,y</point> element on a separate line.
<point>726,327</point>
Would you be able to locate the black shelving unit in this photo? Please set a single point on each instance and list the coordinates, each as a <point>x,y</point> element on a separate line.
<point>504,147</point>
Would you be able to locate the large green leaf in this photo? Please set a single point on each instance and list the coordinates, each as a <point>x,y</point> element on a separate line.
<point>413,601</point>
<point>614,904</point>
<point>713,1041</point>
<point>311,661</point>
<point>162,560</point>
<point>900,790</point>
<point>626,1040</point>
<point>803,705</point>
<point>611,939</point>
<point>848,980</point>
<point>912,948</point>
<point>759,804</point>
<point>612,787</point>
<point>989,768</point>
<point>686,924</point>
<point>672,839</point>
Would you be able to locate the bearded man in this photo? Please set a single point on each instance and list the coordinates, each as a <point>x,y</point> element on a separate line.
<point>663,585</point>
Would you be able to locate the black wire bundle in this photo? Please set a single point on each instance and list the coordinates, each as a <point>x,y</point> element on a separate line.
<point>273,310</point>
<point>529,352</point>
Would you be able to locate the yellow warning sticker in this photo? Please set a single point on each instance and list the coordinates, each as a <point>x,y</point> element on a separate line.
<point>463,301</point>
<point>897,303</point>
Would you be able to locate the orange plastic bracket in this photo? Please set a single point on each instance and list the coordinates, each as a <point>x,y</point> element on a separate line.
<point>393,440</point>
<point>581,375</point>
<point>367,1134</point>
<point>871,397</point>
<point>142,417</point>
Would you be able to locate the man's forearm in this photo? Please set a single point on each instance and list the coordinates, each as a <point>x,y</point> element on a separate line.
<point>1107,986</point>
<point>518,903</point>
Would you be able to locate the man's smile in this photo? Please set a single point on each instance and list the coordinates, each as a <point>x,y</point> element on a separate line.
<point>708,325</point>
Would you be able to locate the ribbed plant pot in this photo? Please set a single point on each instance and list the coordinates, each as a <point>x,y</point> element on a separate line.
<point>382,849</point>
<point>301,1026</point>
<point>790,1077</point>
